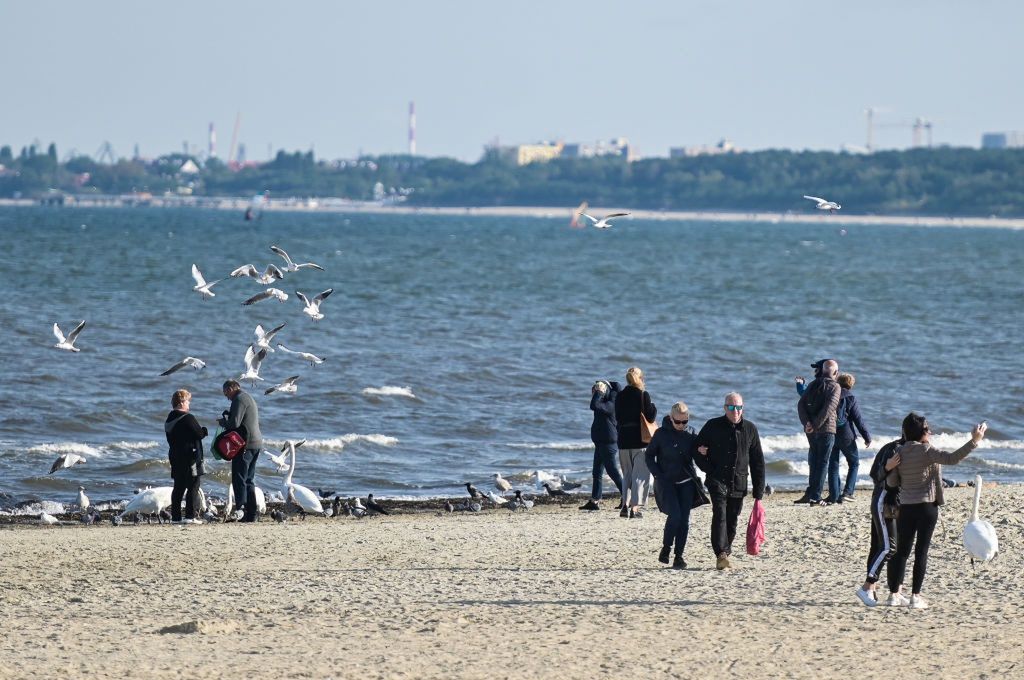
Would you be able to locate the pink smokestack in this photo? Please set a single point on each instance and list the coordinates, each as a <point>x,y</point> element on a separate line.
<point>412,128</point>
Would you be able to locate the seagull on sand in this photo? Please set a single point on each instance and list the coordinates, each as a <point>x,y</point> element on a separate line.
<point>187,361</point>
<point>569,486</point>
<point>603,223</point>
<point>280,295</point>
<point>83,500</point>
<point>501,483</point>
<point>46,518</point>
<point>289,386</point>
<point>68,343</point>
<point>313,307</point>
<point>831,206</point>
<point>65,461</point>
<point>263,337</point>
<point>473,492</point>
<point>270,274</point>
<point>252,365</point>
<point>375,506</point>
<point>552,491</point>
<point>448,507</point>
<point>313,359</point>
<point>202,287</point>
<point>290,266</point>
<point>495,498</point>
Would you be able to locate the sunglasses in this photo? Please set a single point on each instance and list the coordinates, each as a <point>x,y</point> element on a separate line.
<point>734,407</point>
<point>679,422</point>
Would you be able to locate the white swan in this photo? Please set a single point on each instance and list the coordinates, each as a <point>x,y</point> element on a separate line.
<point>149,501</point>
<point>298,494</point>
<point>261,501</point>
<point>980,536</point>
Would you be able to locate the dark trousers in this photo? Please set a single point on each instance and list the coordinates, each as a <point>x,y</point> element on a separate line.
<point>821,449</point>
<point>677,501</point>
<point>243,472</point>
<point>848,448</point>
<point>917,520</point>
<point>184,487</point>
<point>606,459</point>
<point>883,537</point>
<point>724,511</point>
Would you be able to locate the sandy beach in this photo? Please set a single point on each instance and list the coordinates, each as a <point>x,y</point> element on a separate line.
<point>553,592</point>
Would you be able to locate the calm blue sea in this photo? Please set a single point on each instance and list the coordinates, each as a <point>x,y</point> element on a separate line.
<point>462,346</point>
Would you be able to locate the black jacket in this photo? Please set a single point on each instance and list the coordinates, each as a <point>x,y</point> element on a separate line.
<point>604,429</point>
<point>732,451</point>
<point>627,414</point>
<point>670,453</point>
<point>185,437</point>
<point>846,433</point>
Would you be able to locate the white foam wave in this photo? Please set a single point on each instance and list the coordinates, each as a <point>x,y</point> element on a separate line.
<point>339,443</point>
<point>776,443</point>
<point>576,445</point>
<point>389,391</point>
<point>134,446</point>
<point>954,440</point>
<point>57,448</point>
<point>1000,464</point>
<point>49,507</point>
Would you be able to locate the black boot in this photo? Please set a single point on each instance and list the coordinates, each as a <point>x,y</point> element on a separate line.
<point>663,555</point>
<point>679,562</point>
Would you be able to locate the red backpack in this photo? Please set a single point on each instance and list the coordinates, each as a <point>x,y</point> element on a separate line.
<point>228,444</point>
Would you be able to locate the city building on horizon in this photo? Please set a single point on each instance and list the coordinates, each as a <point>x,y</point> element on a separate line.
<point>1002,140</point>
<point>724,146</point>
<point>524,154</point>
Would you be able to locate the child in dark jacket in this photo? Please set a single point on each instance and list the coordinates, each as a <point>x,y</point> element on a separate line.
<point>604,434</point>
<point>847,418</point>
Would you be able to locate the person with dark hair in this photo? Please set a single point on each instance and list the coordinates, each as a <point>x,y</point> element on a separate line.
<point>883,520</point>
<point>729,446</point>
<point>817,411</point>
<point>604,434</point>
<point>847,419</point>
<point>632,404</point>
<point>919,479</point>
<point>185,438</point>
<point>244,417</point>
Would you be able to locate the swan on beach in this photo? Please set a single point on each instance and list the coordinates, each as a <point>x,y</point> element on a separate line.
<point>289,386</point>
<point>202,286</point>
<point>290,266</point>
<point>298,494</point>
<point>83,500</point>
<point>149,502</point>
<point>261,502</point>
<point>313,359</point>
<point>280,295</point>
<point>68,343</point>
<point>266,277</point>
<point>604,222</point>
<point>252,365</point>
<point>192,362</point>
<point>281,459</point>
<point>66,460</point>
<point>312,309</point>
<point>979,535</point>
<point>831,206</point>
<point>264,337</point>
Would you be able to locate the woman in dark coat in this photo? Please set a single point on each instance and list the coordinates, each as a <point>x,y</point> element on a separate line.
<point>185,437</point>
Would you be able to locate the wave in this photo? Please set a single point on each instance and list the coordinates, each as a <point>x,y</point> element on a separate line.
<point>339,443</point>
<point>389,391</point>
<point>577,445</point>
<point>946,441</point>
<point>998,464</point>
<point>57,448</point>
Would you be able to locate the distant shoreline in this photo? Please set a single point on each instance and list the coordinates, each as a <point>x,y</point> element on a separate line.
<point>364,207</point>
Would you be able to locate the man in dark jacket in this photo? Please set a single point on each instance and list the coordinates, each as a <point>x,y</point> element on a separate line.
<point>847,419</point>
<point>670,460</point>
<point>817,411</point>
<point>729,447</point>
<point>243,416</point>
<point>604,434</point>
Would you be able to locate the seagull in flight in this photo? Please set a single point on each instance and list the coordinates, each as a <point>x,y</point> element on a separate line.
<point>831,206</point>
<point>281,459</point>
<point>280,295</point>
<point>313,307</point>
<point>65,461</point>
<point>68,343</point>
<point>290,266</point>
<point>269,275</point>
<point>202,287</point>
<point>289,386</point>
<point>603,223</point>
<point>313,359</point>
<point>263,337</point>
<point>187,361</point>
<point>252,365</point>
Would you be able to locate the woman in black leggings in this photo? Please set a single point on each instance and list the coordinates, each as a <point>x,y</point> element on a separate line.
<point>185,439</point>
<point>919,478</point>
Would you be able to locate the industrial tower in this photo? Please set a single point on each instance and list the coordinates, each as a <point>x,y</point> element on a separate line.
<point>412,128</point>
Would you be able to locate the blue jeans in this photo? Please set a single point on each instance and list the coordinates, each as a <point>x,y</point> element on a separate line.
<point>849,450</point>
<point>605,460</point>
<point>677,500</point>
<point>243,474</point>
<point>821,449</point>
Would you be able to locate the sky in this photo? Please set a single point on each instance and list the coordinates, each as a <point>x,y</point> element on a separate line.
<point>337,77</point>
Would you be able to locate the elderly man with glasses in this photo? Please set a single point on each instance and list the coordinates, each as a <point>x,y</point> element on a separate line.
<point>729,446</point>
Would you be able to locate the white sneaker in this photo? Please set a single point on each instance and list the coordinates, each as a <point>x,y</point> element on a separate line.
<point>918,602</point>
<point>193,521</point>
<point>897,600</point>
<point>238,514</point>
<point>867,597</point>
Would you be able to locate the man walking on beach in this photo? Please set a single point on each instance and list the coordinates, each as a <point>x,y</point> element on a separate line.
<point>817,411</point>
<point>244,416</point>
<point>729,446</point>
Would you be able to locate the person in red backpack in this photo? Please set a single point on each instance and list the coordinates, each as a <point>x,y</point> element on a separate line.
<point>245,417</point>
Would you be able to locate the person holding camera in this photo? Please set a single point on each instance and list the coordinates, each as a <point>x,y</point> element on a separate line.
<point>244,417</point>
<point>185,438</point>
<point>604,434</point>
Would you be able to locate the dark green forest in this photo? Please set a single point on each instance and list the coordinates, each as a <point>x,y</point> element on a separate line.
<point>944,181</point>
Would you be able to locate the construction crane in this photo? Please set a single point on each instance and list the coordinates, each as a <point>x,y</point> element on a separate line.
<point>234,138</point>
<point>920,130</point>
<point>106,151</point>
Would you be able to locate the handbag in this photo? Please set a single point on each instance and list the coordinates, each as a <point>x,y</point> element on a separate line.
<point>647,428</point>
<point>228,444</point>
<point>755,529</point>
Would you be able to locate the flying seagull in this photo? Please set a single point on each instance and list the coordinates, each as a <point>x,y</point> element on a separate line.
<point>202,287</point>
<point>311,358</point>
<point>269,275</point>
<point>603,223</point>
<point>290,266</point>
<point>252,364</point>
<point>68,343</point>
<point>187,361</point>
<point>263,337</point>
<point>289,386</point>
<point>313,307</point>
<point>280,295</point>
<point>831,206</point>
<point>65,461</point>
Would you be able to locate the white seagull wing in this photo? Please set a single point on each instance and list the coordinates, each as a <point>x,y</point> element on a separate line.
<point>60,336</point>
<point>198,276</point>
<point>816,199</point>
<point>305,300</point>
<point>323,296</point>
<point>176,367</point>
<point>280,251</point>
<point>245,270</point>
<point>591,218</point>
<point>259,296</point>
<point>74,334</point>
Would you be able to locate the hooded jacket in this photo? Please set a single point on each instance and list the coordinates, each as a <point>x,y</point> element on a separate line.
<point>604,429</point>
<point>627,414</point>
<point>919,474</point>
<point>185,439</point>
<point>846,432</point>
<point>670,454</point>
<point>732,451</point>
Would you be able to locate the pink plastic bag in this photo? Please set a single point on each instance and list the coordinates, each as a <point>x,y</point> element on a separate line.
<point>755,529</point>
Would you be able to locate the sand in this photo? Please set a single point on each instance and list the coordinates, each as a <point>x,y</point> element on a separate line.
<point>553,592</point>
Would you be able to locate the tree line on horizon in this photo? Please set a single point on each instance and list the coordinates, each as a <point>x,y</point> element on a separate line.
<point>942,181</point>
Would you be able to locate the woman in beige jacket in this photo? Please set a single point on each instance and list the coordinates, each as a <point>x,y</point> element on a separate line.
<point>919,479</point>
